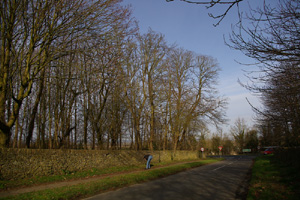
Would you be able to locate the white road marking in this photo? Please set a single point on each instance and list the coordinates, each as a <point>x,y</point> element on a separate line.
<point>222,166</point>
<point>218,168</point>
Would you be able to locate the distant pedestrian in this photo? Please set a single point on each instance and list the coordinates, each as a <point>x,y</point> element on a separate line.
<point>148,158</point>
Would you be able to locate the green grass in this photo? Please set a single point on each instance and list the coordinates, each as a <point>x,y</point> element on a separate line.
<point>66,176</point>
<point>272,180</point>
<point>108,183</point>
<point>4,184</point>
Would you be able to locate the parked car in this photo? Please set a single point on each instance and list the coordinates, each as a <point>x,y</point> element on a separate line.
<point>268,151</point>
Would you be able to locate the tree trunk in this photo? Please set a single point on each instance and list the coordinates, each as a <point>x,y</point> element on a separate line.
<point>34,110</point>
<point>85,122</point>
<point>4,135</point>
<point>15,142</point>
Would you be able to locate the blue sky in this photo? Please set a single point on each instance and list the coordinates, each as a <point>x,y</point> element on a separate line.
<point>190,27</point>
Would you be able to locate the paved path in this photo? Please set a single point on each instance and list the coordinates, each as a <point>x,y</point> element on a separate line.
<point>221,181</point>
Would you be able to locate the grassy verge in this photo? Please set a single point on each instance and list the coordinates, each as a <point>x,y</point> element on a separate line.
<point>73,175</point>
<point>108,183</point>
<point>66,176</point>
<point>272,180</point>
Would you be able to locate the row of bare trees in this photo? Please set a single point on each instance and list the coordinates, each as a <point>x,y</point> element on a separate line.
<point>77,74</point>
<point>273,41</point>
<point>270,35</point>
<point>280,119</point>
<point>45,43</point>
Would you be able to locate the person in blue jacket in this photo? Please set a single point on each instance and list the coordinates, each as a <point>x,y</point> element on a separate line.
<point>148,158</point>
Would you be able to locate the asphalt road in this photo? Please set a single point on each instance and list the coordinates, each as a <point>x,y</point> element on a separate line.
<point>224,180</point>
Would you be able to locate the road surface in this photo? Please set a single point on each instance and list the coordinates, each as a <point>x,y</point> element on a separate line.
<point>224,180</point>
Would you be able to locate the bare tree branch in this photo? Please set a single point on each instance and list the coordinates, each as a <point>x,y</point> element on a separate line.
<point>213,3</point>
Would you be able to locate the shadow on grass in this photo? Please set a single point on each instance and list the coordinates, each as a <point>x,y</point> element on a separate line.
<point>107,183</point>
<point>273,180</point>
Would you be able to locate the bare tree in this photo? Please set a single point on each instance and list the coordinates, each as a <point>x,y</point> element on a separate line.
<point>238,131</point>
<point>252,140</point>
<point>86,78</point>
<point>280,97</point>
<point>194,97</point>
<point>133,90</point>
<point>33,33</point>
<point>180,67</point>
<point>213,3</point>
<point>273,36</point>
<point>216,141</point>
<point>152,51</point>
<point>273,41</point>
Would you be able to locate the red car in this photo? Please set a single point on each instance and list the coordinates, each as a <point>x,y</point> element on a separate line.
<point>269,151</point>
